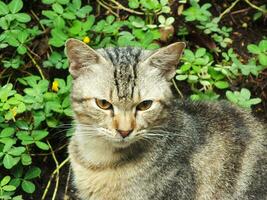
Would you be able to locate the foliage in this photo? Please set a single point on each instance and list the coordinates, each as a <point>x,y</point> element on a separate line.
<point>242,98</point>
<point>35,85</point>
<point>208,23</point>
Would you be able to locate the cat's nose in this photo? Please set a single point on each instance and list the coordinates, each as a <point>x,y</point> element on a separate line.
<point>124,134</point>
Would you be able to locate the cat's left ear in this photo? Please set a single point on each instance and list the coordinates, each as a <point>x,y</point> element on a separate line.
<point>81,57</point>
<point>167,58</point>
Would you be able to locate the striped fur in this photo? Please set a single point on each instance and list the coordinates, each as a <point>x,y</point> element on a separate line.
<point>179,150</point>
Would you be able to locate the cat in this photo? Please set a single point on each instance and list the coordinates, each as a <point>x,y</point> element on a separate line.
<point>134,141</point>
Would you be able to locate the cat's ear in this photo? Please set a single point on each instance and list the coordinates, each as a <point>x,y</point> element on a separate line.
<point>81,56</point>
<point>167,58</point>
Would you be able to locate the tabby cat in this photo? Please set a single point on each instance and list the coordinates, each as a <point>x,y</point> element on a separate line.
<point>134,141</point>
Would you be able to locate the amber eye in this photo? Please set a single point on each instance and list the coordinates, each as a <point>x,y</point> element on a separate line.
<point>144,105</point>
<point>103,104</point>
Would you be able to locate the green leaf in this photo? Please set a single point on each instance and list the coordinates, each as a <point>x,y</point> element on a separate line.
<point>26,159</point>
<point>161,19</point>
<point>10,161</point>
<point>263,59</point>
<point>15,6</point>
<point>133,4</point>
<point>28,186</point>
<point>17,197</point>
<point>63,1</point>
<point>8,143</point>
<point>169,21</point>
<point>39,134</point>
<point>68,15</point>
<point>58,8</point>
<point>254,101</point>
<point>181,77</point>
<point>245,93</point>
<point>7,132</point>
<point>3,8</point>
<point>221,84</point>
<point>200,52</point>
<point>252,48</point>
<point>16,151</point>
<point>9,188</point>
<point>231,97</point>
<point>3,23</point>
<point>263,45</point>
<point>22,17</point>
<point>22,37</point>
<point>48,1</point>
<point>23,125</point>
<point>59,22</point>
<point>51,122</point>
<point>49,14</point>
<point>77,4</point>
<point>21,49</point>
<point>76,27</point>
<point>32,173</point>
<point>42,145</point>
<point>88,23</point>
<point>11,40</point>
<point>5,181</point>
<point>193,78</point>
<point>84,11</point>
<point>59,38</point>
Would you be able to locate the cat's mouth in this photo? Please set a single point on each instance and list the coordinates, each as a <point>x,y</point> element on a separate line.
<point>118,141</point>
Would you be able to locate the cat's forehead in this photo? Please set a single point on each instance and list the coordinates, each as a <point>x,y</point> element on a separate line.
<point>125,62</point>
<point>123,55</point>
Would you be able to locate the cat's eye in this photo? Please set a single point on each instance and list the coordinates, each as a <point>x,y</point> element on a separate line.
<point>144,105</point>
<point>103,104</point>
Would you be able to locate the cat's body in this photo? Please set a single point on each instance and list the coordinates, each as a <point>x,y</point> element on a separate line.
<point>175,150</point>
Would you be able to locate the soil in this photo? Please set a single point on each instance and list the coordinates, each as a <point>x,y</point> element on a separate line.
<point>245,31</point>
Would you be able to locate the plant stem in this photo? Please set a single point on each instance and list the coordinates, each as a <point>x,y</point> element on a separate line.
<point>108,8</point>
<point>52,176</point>
<point>57,171</point>
<point>36,65</point>
<point>120,6</point>
<point>256,7</point>
<point>177,89</point>
<point>228,9</point>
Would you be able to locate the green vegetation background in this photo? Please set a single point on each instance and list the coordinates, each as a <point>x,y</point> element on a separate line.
<point>35,85</point>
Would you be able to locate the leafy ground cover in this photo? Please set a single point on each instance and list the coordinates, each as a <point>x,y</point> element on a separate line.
<point>226,57</point>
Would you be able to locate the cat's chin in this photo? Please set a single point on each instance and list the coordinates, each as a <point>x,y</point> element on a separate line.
<point>121,142</point>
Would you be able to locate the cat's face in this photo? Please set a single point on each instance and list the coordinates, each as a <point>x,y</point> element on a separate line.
<point>119,94</point>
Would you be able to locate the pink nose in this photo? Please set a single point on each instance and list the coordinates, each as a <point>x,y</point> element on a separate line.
<point>124,134</point>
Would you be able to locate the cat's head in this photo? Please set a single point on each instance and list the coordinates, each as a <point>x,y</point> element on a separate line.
<point>119,94</point>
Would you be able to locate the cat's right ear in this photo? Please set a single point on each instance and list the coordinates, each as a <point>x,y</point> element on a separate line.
<point>81,56</point>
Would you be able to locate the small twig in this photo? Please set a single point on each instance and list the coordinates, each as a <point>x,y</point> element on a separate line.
<point>109,9</point>
<point>2,72</point>
<point>120,6</point>
<point>52,176</point>
<point>240,11</point>
<point>47,154</point>
<point>33,52</point>
<point>42,26</point>
<point>36,65</point>
<point>110,5</point>
<point>57,172</point>
<point>67,184</point>
<point>228,9</point>
<point>256,7</point>
<point>37,18</point>
<point>177,89</point>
